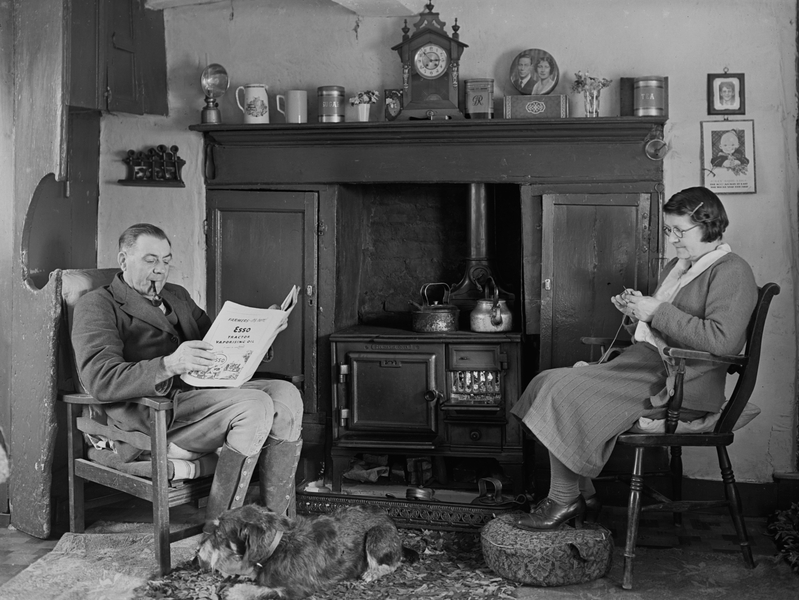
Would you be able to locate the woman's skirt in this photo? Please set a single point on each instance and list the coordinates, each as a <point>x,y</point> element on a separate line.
<point>578,412</point>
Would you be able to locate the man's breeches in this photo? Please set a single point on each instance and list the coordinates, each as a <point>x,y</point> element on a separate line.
<point>241,417</point>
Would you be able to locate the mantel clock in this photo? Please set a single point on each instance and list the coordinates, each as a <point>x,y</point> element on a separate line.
<point>430,60</point>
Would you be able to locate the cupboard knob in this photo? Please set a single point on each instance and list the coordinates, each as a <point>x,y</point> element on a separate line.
<point>475,435</point>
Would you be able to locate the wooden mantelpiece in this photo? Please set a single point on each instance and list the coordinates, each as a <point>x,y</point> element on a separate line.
<point>550,151</point>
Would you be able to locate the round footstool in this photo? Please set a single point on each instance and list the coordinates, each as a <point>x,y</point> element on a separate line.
<point>546,558</point>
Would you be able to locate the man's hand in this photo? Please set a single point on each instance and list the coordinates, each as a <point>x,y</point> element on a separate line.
<point>284,323</point>
<point>194,355</point>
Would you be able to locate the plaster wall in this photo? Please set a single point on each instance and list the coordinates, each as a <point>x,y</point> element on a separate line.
<point>301,45</point>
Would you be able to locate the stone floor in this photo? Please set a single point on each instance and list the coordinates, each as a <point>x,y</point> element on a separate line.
<point>710,532</point>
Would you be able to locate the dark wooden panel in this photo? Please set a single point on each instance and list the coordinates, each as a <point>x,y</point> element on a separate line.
<point>151,46</point>
<point>531,216</point>
<point>592,250</point>
<point>119,18</point>
<point>262,243</point>
<point>534,163</point>
<point>84,84</point>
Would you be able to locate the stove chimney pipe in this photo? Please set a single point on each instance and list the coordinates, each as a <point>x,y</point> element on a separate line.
<point>470,289</point>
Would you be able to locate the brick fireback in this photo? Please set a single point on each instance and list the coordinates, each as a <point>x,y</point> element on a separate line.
<point>415,235</point>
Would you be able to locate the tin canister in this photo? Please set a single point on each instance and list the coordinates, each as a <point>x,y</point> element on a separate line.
<point>479,98</point>
<point>648,97</point>
<point>331,103</point>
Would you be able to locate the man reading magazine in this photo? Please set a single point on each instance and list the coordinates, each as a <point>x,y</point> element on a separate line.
<point>138,335</point>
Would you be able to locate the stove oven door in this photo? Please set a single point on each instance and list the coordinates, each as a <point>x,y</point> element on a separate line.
<point>390,397</point>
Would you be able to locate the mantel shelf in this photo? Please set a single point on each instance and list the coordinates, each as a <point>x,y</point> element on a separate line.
<point>601,129</point>
<point>521,151</point>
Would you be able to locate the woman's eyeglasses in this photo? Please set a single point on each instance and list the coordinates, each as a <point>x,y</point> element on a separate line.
<point>677,231</point>
<point>681,232</point>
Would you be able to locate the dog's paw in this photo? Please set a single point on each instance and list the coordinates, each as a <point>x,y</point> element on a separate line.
<point>376,571</point>
<point>249,591</point>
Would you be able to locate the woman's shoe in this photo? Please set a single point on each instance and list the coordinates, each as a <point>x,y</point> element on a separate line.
<point>551,515</point>
<point>593,506</point>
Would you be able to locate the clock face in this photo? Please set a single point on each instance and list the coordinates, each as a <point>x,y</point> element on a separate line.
<point>431,61</point>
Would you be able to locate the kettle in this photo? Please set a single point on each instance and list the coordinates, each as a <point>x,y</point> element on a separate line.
<point>491,314</point>
<point>434,317</point>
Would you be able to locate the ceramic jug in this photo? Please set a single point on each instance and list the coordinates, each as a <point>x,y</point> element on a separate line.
<point>256,102</point>
<point>491,314</point>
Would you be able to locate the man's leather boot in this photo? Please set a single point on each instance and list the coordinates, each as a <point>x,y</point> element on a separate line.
<point>231,480</point>
<point>277,468</point>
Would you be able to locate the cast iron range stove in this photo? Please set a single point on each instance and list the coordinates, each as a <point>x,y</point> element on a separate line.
<point>444,395</point>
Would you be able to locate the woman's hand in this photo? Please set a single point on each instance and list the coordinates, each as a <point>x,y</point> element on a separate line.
<point>622,301</point>
<point>642,307</point>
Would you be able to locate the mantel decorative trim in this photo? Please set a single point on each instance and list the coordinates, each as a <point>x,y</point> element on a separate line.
<point>604,129</point>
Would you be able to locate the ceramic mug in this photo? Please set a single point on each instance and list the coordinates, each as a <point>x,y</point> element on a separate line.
<point>256,102</point>
<point>295,106</point>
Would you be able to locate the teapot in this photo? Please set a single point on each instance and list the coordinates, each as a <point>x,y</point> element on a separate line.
<point>491,314</point>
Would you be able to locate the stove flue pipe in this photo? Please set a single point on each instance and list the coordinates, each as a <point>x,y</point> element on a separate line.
<point>478,222</point>
<point>471,287</point>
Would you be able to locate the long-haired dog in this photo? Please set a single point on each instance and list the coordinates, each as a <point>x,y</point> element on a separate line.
<point>294,558</point>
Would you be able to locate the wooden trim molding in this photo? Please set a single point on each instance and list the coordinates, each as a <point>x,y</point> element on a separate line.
<point>602,129</point>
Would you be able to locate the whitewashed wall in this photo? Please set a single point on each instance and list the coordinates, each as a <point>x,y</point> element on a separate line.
<point>290,44</point>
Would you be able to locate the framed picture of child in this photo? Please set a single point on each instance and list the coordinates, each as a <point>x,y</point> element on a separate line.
<point>725,94</point>
<point>728,156</point>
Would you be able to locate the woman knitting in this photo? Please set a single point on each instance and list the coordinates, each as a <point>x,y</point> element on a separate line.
<point>703,301</point>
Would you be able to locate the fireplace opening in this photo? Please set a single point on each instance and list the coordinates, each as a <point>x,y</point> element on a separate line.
<point>395,238</point>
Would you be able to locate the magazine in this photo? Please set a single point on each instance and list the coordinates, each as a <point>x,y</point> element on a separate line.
<point>241,336</point>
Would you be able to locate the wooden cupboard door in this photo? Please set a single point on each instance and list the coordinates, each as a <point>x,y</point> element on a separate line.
<point>260,243</point>
<point>593,246</point>
<point>123,93</point>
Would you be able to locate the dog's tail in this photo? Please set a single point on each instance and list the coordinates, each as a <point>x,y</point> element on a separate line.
<point>409,554</point>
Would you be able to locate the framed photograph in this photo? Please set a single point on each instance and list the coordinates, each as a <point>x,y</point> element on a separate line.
<point>728,156</point>
<point>534,72</point>
<point>725,94</point>
<point>393,103</point>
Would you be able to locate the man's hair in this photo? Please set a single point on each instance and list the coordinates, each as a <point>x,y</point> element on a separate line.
<point>711,215</point>
<point>128,238</point>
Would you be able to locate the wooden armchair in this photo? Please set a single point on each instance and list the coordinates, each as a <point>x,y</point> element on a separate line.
<point>746,366</point>
<point>163,493</point>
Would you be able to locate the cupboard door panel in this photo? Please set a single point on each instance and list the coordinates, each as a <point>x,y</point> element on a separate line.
<point>124,93</point>
<point>261,243</point>
<point>593,246</point>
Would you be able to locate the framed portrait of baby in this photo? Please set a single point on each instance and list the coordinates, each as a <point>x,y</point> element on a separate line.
<point>728,156</point>
<point>725,94</point>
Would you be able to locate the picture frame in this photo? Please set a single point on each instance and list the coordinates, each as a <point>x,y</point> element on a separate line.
<point>527,78</point>
<point>393,103</point>
<point>728,156</point>
<point>726,94</point>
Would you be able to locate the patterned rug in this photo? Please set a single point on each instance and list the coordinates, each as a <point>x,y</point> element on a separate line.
<point>119,566</point>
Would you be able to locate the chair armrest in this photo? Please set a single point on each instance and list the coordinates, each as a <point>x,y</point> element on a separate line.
<point>602,341</point>
<point>158,403</point>
<point>706,356</point>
